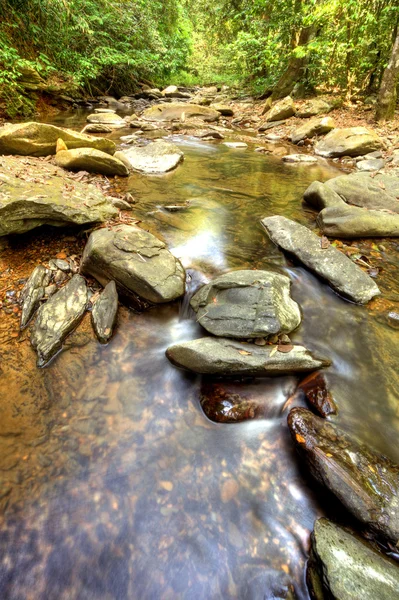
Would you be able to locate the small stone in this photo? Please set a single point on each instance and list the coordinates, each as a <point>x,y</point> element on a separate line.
<point>393,319</point>
<point>316,391</point>
<point>62,264</point>
<point>260,342</point>
<point>103,315</point>
<point>284,339</point>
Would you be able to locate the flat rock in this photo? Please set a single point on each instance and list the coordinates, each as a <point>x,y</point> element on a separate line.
<point>343,566</point>
<point>47,196</point>
<point>223,109</point>
<point>300,158</point>
<point>97,128</point>
<point>266,126</point>
<point>222,356</point>
<point>104,313</point>
<point>352,141</point>
<point>137,261</point>
<point>58,317</point>
<point>236,145</point>
<point>282,109</point>
<point>370,164</point>
<point>111,119</point>
<point>353,222</point>
<point>156,157</point>
<point>311,128</point>
<point>329,263</point>
<point>175,112</point>
<point>91,160</point>
<point>313,107</point>
<point>247,304</point>
<point>367,483</point>
<point>40,139</point>
<point>33,292</point>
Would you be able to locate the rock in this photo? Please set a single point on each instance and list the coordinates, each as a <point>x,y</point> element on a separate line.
<point>311,128</point>
<point>311,108</point>
<point>354,222</point>
<point>216,135</point>
<point>53,199</point>
<point>119,203</point>
<point>352,141</point>
<point>247,304</point>
<point>283,109</point>
<point>393,319</point>
<point>30,79</point>
<point>237,145</point>
<point>365,482</point>
<point>267,126</point>
<point>40,139</point>
<point>299,158</point>
<point>329,263</point>
<point>103,315</point>
<point>91,160</point>
<point>97,128</point>
<point>221,356</point>
<point>104,110</point>
<point>173,92</point>
<point>317,394</point>
<point>267,105</point>
<point>370,164</point>
<point>58,317</point>
<point>137,261</point>
<point>360,189</point>
<point>33,292</point>
<point>223,109</point>
<point>111,119</point>
<point>175,112</point>
<point>156,157</point>
<point>344,567</point>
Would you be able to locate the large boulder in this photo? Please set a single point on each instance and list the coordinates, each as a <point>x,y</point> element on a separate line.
<point>367,483</point>
<point>354,222</point>
<point>343,275</point>
<point>177,112</point>
<point>222,356</point>
<point>156,157</point>
<point>283,109</point>
<point>313,107</point>
<point>40,139</point>
<point>351,141</point>
<point>311,128</point>
<point>343,566</point>
<point>58,317</point>
<point>137,261</point>
<point>247,304</point>
<point>47,196</point>
<point>91,160</point>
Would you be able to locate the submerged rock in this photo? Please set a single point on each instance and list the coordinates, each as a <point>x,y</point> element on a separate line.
<point>311,128</point>
<point>91,160</point>
<point>58,317</point>
<point>247,304</point>
<point>222,356</point>
<point>282,109</point>
<point>156,157</point>
<point>33,292</point>
<point>365,482</point>
<point>317,394</point>
<point>354,222</point>
<point>137,261</point>
<point>175,112</point>
<point>40,139</point>
<point>352,141</point>
<point>344,567</point>
<point>103,315</point>
<point>329,263</point>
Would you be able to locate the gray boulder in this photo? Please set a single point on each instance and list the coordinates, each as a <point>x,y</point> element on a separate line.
<point>137,261</point>
<point>352,141</point>
<point>367,483</point>
<point>58,317</point>
<point>104,313</point>
<point>329,263</point>
<point>33,292</point>
<point>311,128</point>
<point>221,356</point>
<point>91,160</point>
<point>40,139</point>
<point>354,222</point>
<point>247,304</point>
<point>343,566</point>
<point>283,109</point>
<point>156,157</point>
<point>175,112</point>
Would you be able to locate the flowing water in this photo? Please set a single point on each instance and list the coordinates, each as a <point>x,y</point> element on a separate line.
<point>114,484</point>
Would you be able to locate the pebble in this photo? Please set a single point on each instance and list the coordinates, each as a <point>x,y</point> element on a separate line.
<point>62,264</point>
<point>393,319</point>
<point>260,341</point>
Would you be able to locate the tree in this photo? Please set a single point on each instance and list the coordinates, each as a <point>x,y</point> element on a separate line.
<point>387,95</point>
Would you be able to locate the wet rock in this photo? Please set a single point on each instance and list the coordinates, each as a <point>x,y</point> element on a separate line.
<point>352,141</point>
<point>223,109</point>
<point>316,391</point>
<point>221,356</point>
<point>283,109</point>
<point>33,292</point>
<point>111,119</point>
<point>97,128</point>
<point>311,128</point>
<point>247,304</point>
<point>300,158</point>
<point>370,165</point>
<point>137,261</point>
<point>329,263</point>
<point>91,160</point>
<point>367,483</point>
<point>221,403</point>
<point>313,107</point>
<point>393,319</point>
<point>175,112</point>
<point>58,317</point>
<point>156,157</point>
<point>40,139</point>
<point>354,222</point>
<point>344,567</point>
<point>104,313</point>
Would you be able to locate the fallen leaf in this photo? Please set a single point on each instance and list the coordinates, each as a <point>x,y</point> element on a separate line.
<point>244,352</point>
<point>273,351</point>
<point>324,243</point>
<point>382,185</point>
<point>229,489</point>
<point>285,348</point>
<point>300,439</point>
<point>166,485</point>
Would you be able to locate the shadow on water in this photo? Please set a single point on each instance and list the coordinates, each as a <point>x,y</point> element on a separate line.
<point>115,485</point>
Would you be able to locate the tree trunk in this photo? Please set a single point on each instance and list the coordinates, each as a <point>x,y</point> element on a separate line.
<point>387,95</point>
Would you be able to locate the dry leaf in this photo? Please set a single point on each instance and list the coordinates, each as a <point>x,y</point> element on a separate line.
<point>273,351</point>
<point>300,439</point>
<point>285,348</point>
<point>324,243</point>
<point>244,352</point>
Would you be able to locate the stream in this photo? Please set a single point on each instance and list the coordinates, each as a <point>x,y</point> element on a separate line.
<point>114,483</point>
